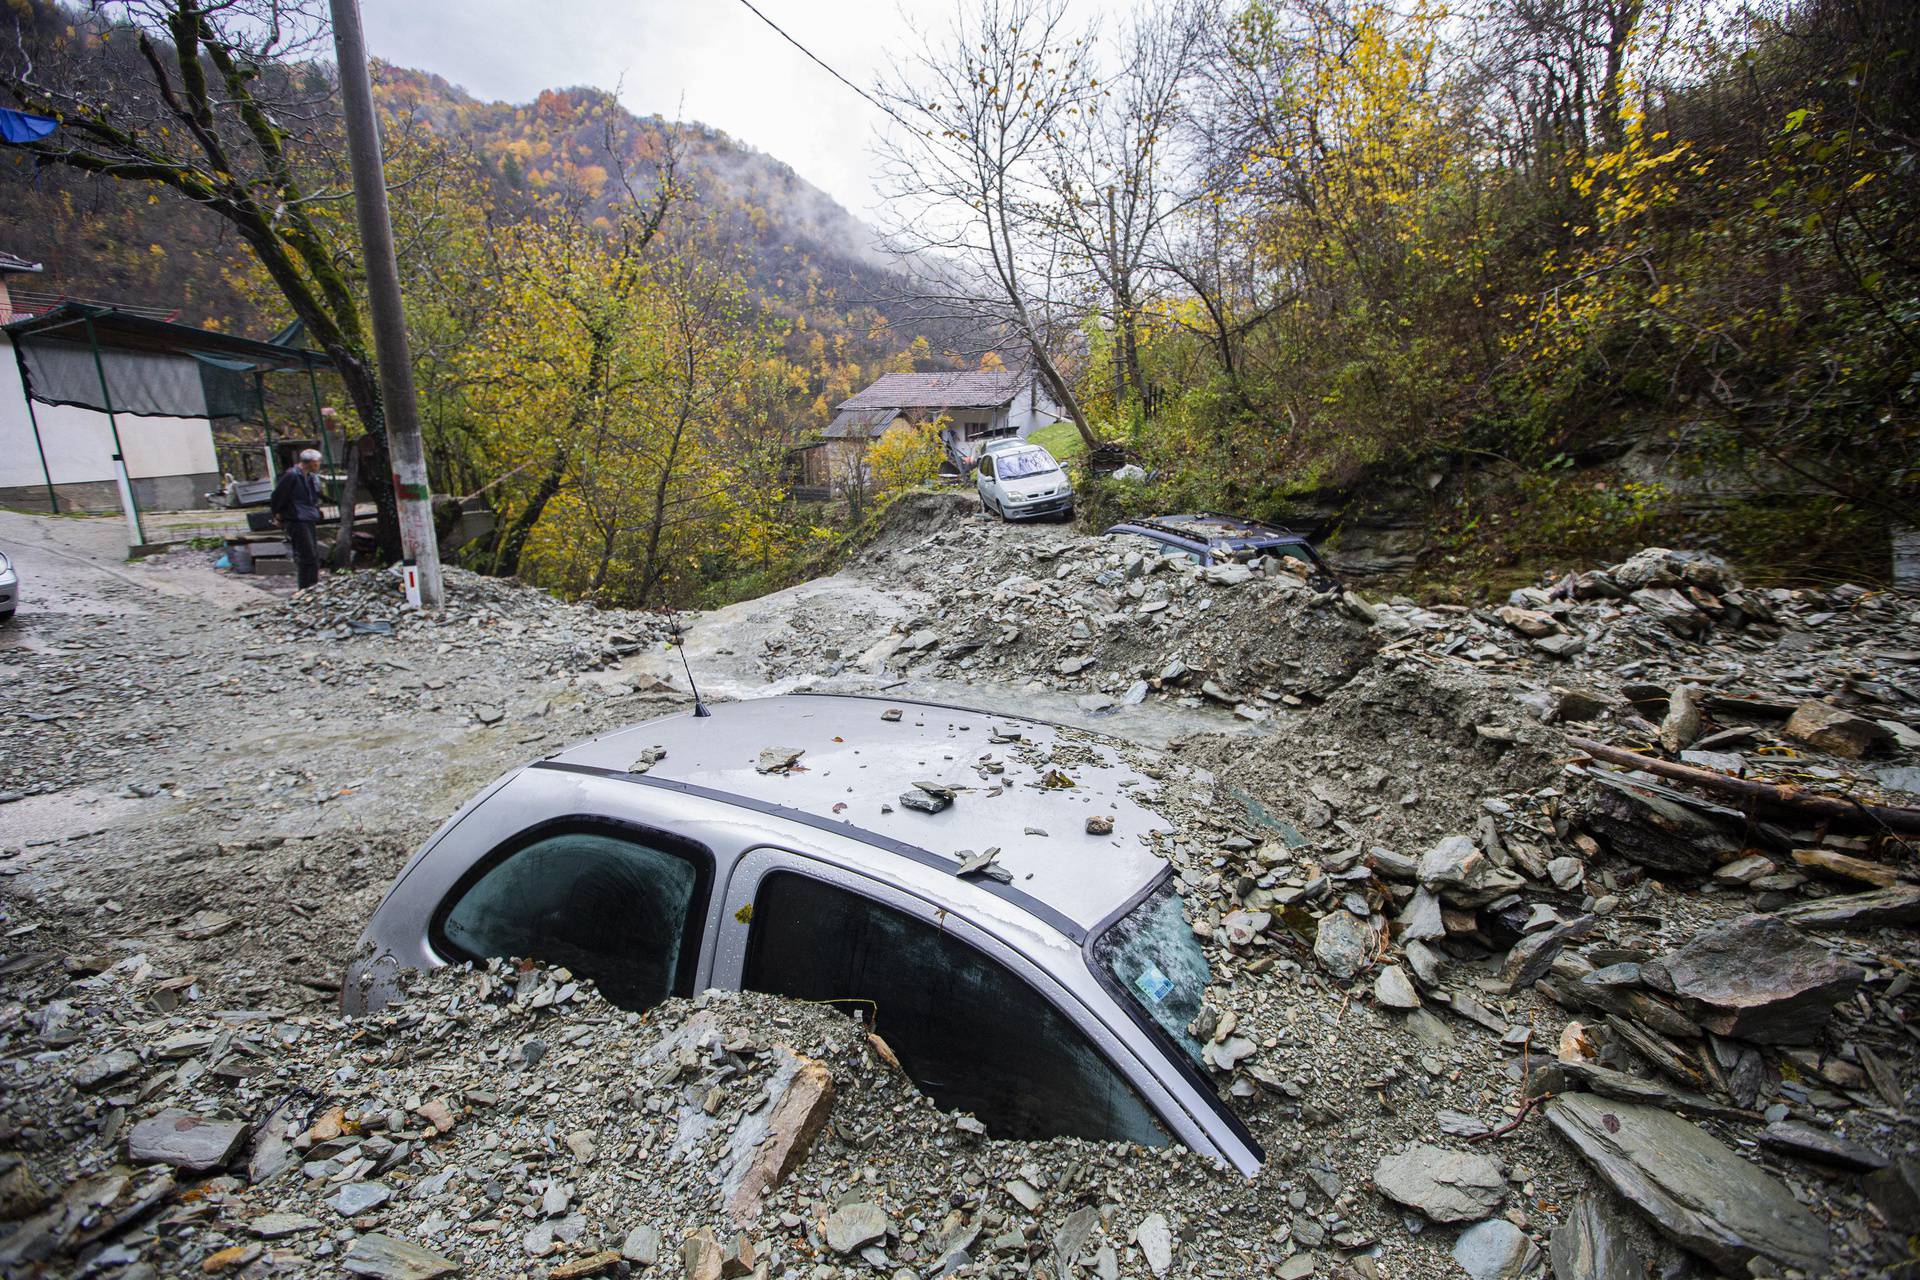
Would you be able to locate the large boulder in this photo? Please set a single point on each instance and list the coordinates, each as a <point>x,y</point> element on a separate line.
<point>1756,978</point>
<point>1695,1189</point>
<point>1446,1185</point>
<point>1461,874</point>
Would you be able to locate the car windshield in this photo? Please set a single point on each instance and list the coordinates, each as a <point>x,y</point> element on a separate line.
<point>1032,462</point>
<point>1152,954</point>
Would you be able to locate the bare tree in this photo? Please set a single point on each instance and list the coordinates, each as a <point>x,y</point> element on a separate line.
<point>1553,72</point>
<point>1119,180</point>
<point>222,102</point>
<point>978,111</point>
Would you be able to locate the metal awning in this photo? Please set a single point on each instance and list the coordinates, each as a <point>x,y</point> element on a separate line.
<point>128,331</point>
<point>118,362</point>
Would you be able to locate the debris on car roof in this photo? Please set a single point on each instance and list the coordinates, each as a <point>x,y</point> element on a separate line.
<point>1014,777</point>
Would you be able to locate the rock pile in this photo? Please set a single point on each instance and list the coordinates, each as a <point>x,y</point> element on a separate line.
<point>1483,989</point>
<point>1110,618</point>
<point>481,612</point>
<point>1646,952</point>
<point>506,1122</point>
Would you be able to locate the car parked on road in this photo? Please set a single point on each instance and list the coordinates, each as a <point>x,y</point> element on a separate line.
<point>9,589</point>
<point>1208,539</point>
<point>1019,481</point>
<point>809,846</point>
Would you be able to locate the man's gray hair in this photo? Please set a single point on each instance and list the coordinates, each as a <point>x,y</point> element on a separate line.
<point>309,455</point>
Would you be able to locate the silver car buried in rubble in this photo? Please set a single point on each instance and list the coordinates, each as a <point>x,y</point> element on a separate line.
<point>1049,994</point>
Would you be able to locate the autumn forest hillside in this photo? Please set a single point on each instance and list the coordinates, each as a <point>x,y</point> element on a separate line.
<point>1472,294</point>
<point>813,263</point>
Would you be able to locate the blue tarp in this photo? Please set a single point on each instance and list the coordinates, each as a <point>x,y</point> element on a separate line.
<point>18,127</point>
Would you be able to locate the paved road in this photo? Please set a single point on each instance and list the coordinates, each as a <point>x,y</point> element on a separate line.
<point>78,565</point>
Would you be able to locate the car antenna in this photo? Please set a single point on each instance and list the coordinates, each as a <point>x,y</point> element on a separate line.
<point>677,638</point>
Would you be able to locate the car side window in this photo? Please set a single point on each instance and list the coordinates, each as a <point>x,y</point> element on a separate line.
<point>614,906</point>
<point>970,1033</point>
<point>986,465</point>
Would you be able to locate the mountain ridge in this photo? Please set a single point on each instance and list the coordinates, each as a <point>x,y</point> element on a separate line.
<point>810,261</point>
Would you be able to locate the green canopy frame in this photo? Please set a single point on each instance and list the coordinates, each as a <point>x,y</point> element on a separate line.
<point>115,330</point>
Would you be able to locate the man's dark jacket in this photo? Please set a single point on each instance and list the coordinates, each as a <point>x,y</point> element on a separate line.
<point>296,497</point>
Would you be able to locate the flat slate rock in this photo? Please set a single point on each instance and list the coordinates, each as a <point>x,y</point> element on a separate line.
<point>97,1073</point>
<point>1155,1239</point>
<point>1393,989</point>
<point>1895,1192</point>
<point>277,1226</point>
<point>1534,954</point>
<point>391,1258</point>
<point>857,1224</point>
<point>356,1198</point>
<point>1592,1244</point>
<point>1822,1146</point>
<point>1693,1188</point>
<point>1495,1250</point>
<point>1896,906</point>
<point>1756,978</point>
<point>1446,1185</point>
<point>185,1141</point>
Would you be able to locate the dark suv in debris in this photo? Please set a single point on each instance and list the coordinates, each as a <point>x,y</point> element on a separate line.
<point>1207,538</point>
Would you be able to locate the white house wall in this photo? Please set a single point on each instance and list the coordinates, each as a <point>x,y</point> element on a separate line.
<point>173,456</point>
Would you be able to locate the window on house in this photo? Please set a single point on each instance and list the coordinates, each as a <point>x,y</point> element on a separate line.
<point>616,908</point>
<point>969,1032</point>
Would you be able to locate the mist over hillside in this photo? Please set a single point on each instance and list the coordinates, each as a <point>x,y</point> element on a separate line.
<point>807,250</point>
<point>810,261</point>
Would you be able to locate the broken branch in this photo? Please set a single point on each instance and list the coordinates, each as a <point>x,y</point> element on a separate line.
<point>1514,1123</point>
<point>1793,799</point>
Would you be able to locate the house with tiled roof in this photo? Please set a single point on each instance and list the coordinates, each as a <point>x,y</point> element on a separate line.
<point>978,406</point>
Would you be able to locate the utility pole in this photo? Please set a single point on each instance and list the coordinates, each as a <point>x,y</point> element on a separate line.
<point>397,405</point>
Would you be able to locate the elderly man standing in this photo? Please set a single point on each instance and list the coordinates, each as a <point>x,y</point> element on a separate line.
<point>296,508</point>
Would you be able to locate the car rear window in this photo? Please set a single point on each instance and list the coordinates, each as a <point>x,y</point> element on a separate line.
<point>972,1034</point>
<point>616,907</point>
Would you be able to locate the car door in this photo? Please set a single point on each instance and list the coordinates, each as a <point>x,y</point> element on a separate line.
<point>977,1026</point>
<point>983,477</point>
<point>610,880</point>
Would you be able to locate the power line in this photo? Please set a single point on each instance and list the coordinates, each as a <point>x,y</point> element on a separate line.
<point>818,61</point>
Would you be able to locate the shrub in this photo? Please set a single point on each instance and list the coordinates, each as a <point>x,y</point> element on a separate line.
<point>907,455</point>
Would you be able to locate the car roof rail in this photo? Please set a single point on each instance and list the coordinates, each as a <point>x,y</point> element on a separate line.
<point>1257,528</point>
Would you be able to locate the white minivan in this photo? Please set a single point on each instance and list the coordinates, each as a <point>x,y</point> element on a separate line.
<point>1018,481</point>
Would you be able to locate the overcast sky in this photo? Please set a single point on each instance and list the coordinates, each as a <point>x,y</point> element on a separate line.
<point>708,60</point>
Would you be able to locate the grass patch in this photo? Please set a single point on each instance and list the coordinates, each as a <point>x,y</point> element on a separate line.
<point>1061,439</point>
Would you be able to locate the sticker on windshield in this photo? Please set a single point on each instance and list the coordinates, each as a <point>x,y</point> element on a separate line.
<point>1153,984</point>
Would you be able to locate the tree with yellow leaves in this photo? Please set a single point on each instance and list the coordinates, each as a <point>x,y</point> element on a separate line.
<point>908,454</point>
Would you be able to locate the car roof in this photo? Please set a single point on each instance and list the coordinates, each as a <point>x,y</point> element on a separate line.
<point>1213,529</point>
<point>853,758</point>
